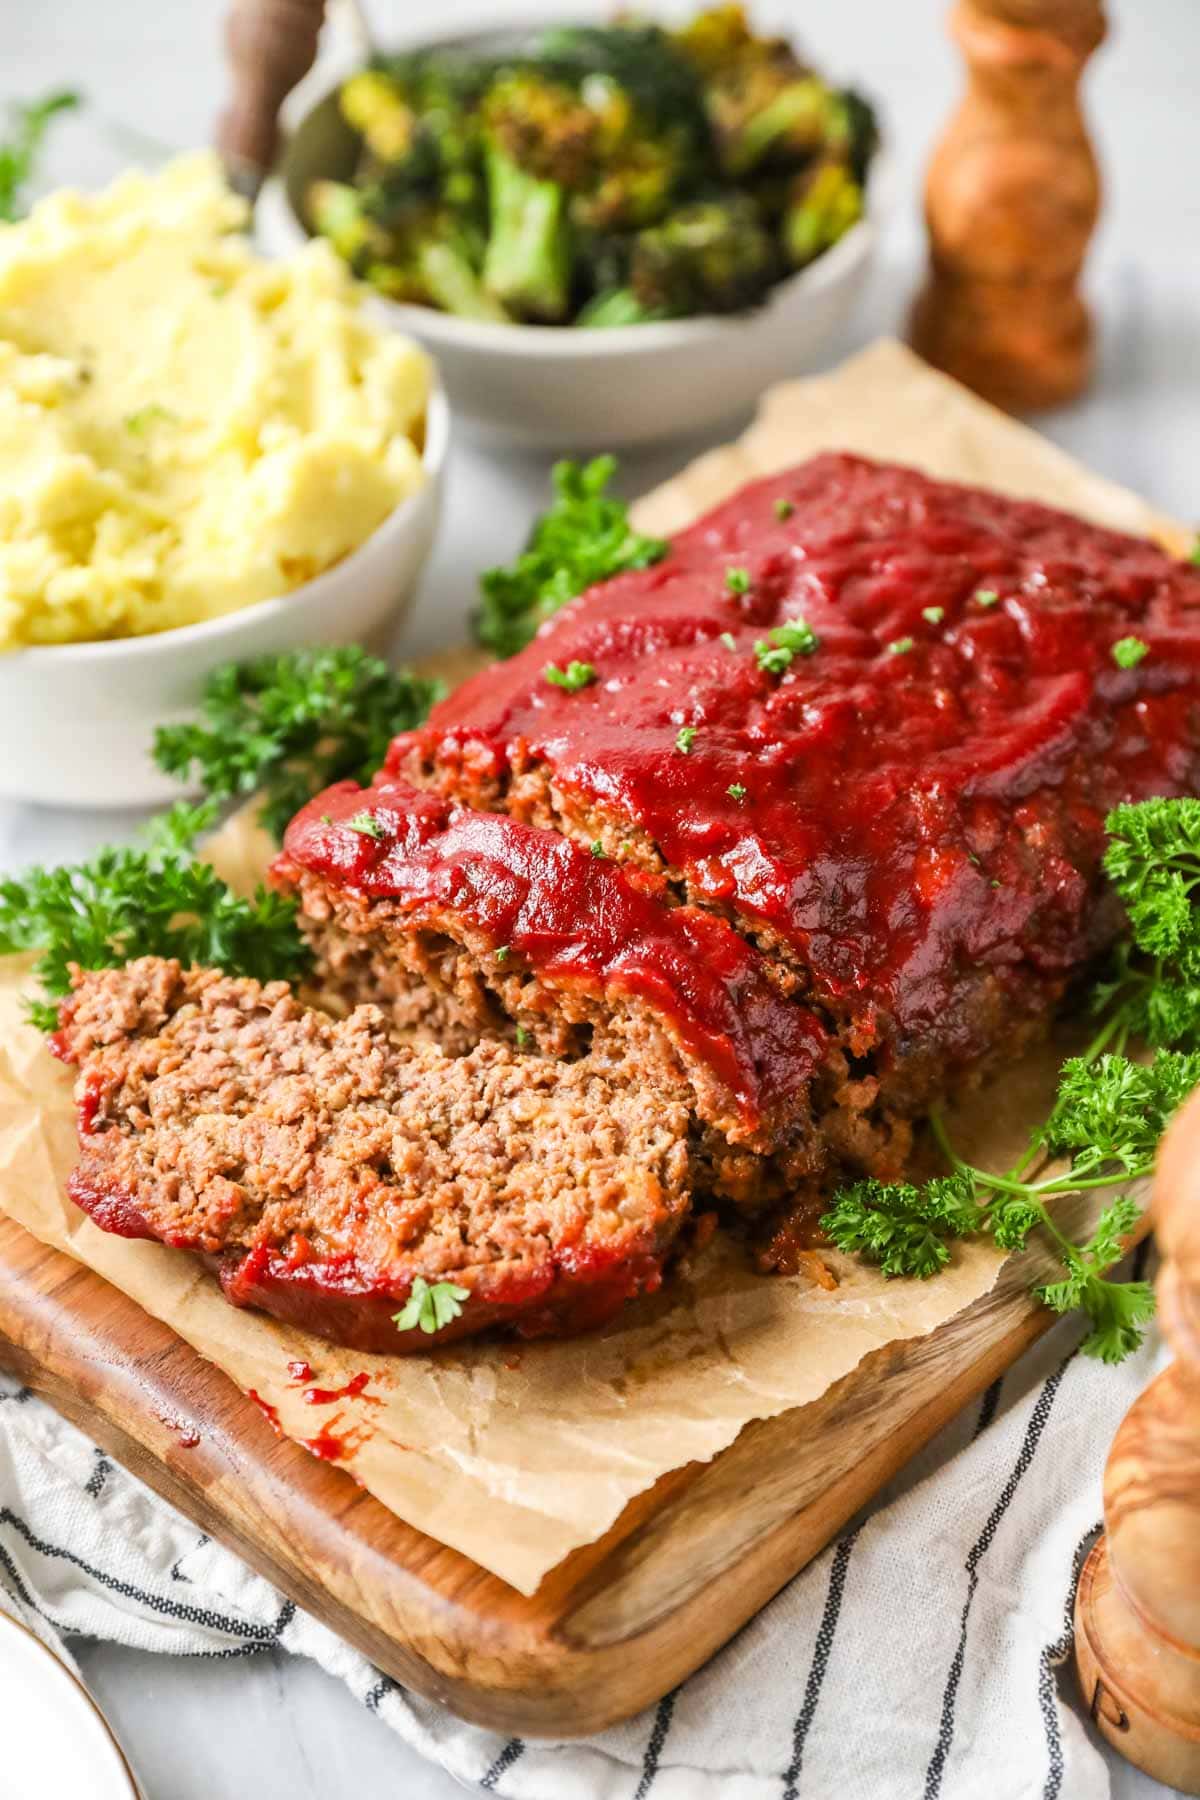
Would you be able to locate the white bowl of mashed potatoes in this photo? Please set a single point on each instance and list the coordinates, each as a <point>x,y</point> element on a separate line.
<point>204,456</point>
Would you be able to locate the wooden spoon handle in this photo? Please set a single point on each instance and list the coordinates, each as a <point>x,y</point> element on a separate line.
<point>271,45</point>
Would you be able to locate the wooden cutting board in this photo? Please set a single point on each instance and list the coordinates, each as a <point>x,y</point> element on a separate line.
<point>611,1629</point>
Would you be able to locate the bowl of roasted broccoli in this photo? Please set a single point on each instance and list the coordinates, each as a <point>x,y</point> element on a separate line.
<point>606,234</point>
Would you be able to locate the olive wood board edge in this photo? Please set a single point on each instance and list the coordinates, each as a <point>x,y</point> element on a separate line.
<point>610,1630</point>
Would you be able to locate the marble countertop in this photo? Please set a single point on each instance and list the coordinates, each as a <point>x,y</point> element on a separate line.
<point>153,77</point>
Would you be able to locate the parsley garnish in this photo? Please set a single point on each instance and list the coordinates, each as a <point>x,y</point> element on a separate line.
<point>576,675</point>
<point>787,641</point>
<point>524,1038</point>
<point>148,900</point>
<point>289,725</point>
<point>597,848</point>
<point>933,614</point>
<point>366,824</point>
<point>986,596</point>
<point>736,791</point>
<point>1109,1114</point>
<point>145,416</point>
<point>685,740</point>
<point>737,581</point>
<point>431,1307</point>
<point>584,537</point>
<point>901,646</point>
<point>502,953</point>
<point>19,154</point>
<point>784,508</point>
<point>729,641</point>
<point>1128,652</point>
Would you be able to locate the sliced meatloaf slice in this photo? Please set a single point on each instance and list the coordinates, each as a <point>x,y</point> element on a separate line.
<point>320,1166</point>
<point>469,925</point>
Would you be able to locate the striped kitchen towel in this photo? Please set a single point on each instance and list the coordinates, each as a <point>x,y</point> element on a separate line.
<point>926,1654</point>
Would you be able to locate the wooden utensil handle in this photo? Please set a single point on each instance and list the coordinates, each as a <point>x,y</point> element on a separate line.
<point>1137,1612</point>
<point>271,45</point>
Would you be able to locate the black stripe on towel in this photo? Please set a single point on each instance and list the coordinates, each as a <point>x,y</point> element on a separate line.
<point>987,1407</point>
<point>654,1748</point>
<point>820,1662</point>
<point>385,1685</point>
<point>99,1475</point>
<point>978,1550</point>
<point>191,1615</point>
<point>512,1752</point>
<point>1052,1656</point>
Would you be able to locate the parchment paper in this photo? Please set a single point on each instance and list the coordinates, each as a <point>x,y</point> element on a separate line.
<point>517,1455</point>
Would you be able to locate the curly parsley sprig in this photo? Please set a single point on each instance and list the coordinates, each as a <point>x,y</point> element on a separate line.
<point>583,537</point>
<point>1109,1113</point>
<point>287,726</point>
<point>152,899</point>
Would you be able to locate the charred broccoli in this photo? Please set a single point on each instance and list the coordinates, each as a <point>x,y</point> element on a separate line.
<point>715,256</point>
<point>598,175</point>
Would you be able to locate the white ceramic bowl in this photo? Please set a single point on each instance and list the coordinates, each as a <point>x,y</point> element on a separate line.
<point>556,388</point>
<point>77,720</point>
<point>56,1740</point>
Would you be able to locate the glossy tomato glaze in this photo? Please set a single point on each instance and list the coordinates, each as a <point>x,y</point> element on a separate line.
<point>575,918</point>
<point>911,810</point>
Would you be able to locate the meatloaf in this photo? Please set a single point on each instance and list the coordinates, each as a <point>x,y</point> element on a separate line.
<point>807,819</point>
<point>320,1166</point>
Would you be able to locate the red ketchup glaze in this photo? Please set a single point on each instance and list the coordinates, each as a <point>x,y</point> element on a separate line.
<point>576,918</point>
<point>905,814</point>
<point>300,1371</point>
<point>356,1386</point>
<point>269,1412</point>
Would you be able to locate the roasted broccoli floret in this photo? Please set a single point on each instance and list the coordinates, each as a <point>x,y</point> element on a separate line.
<point>422,255</point>
<point>822,206</point>
<point>713,256</point>
<point>619,306</point>
<point>527,265</point>
<point>543,125</point>
<point>540,142</point>
<point>386,122</point>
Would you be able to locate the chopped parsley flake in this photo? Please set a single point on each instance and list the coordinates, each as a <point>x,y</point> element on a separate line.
<point>901,646</point>
<point>736,791</point>
<point>1128,652</point>
<point>502,953</point>
<point>367,825</point>
<point>154,414</point>
<point>1195,556</point>
<point>729,641</point>
<point>933,614</point>
<point>524,1038</point>
<point>686,739</point>
<point>986,597</point>
<point>795,638</point>
<point>784,508</point>
<point>576,675</point>
<point>737,581</point>
<point>597,848</point>
<point>327,818</point>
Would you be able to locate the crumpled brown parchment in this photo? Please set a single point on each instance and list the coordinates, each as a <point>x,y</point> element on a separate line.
<point>518,1454</point>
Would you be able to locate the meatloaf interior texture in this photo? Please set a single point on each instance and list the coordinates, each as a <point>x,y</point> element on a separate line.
<point>320,1165</point>
<point>815,833</point>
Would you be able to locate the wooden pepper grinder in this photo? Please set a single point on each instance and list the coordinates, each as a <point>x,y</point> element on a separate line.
<point>1011,200</point>
<point>271,45</point>
<point>1137,1610</point>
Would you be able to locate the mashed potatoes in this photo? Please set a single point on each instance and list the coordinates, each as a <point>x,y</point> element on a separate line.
<point>184,428</point>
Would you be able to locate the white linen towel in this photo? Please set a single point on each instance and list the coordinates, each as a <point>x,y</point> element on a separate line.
<point>922,1655</point>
